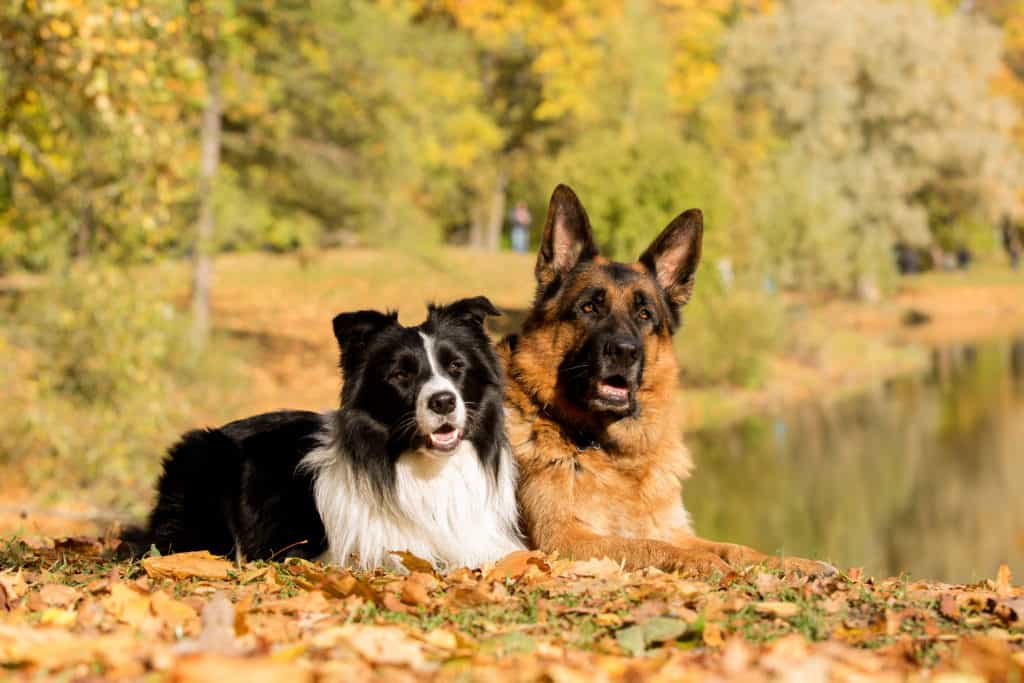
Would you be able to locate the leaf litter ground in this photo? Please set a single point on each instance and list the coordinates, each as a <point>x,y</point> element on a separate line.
<point>69,612</point>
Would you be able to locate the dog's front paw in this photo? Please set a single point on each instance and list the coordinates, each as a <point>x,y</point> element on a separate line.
<point>803,566</point>
<point>696,564</point>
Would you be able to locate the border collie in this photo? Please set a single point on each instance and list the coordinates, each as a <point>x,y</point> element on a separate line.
<point>416,458</point>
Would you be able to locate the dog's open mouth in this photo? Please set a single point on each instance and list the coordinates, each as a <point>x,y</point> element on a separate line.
<point>614,389</point>
<point>446,438</point>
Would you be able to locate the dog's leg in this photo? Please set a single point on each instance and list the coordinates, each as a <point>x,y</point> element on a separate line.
<point>742,556</point>
<point>634,553</point>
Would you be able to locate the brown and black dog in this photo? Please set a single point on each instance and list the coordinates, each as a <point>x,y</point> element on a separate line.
<point>591,396</point>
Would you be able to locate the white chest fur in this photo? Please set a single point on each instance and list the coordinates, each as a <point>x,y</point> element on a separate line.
<point>446,509</point>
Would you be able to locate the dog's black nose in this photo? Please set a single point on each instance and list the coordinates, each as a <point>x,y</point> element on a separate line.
<point>623,351</point>
<point>442,403</point>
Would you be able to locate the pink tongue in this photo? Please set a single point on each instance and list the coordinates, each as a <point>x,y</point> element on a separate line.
<point>445,438</point>
<point>614,392</point>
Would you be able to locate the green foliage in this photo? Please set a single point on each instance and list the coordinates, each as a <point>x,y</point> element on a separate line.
<point>92,98</point>
<point>101,365</point>
<point>729,335</point>
<point>886,114</point>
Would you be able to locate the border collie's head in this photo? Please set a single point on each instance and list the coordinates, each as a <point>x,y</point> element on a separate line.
<point>424,388</point>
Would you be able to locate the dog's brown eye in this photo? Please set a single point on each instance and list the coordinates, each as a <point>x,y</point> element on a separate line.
<point>456,366</point>
<point>588,308</point>
<point>644,314</point>
<point>399,376</point>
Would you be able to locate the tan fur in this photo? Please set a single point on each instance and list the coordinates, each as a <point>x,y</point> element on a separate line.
<point>623,498</point>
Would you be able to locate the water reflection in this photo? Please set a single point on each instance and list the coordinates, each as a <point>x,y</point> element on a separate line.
<point>924,474</point>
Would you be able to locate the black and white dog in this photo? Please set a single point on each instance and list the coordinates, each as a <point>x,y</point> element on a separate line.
<point>415,459</point>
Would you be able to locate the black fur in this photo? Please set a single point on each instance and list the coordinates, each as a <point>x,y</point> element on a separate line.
<point>239,490</point>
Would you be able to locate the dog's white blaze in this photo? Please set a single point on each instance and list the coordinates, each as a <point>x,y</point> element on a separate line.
<point>427,419</point>
<point>446,510</point>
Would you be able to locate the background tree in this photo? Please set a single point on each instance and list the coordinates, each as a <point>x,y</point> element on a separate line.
<point>889,105</point>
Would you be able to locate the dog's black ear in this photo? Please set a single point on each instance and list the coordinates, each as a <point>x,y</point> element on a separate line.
<point>673,257</point>
<point>568,239</point>
<point>353,329</point>
<point>473,310</point>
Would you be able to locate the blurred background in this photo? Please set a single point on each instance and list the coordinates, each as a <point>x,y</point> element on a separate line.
<point>189,191</point>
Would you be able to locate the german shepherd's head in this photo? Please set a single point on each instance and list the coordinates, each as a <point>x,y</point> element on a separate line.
<point>596,347</point>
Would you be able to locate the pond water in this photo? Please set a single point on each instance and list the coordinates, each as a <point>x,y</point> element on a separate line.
<point>924,475</point>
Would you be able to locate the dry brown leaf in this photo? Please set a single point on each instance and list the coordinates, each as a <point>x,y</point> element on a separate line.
<point>469,597</point>
<point>127,605</point>
<point>213,668</point>
<point>713,635</point>
<point>13,584</point>
<point>55,616</point>
<point>344,584</point>
<point>1010,611</point>
<point>384,645</point>
<point>736,656</point>
<point>217,632</point>
<point>413,563</point>
<point>948,607</point>
<point>603,568</point>
<point>198,564</point>
<point>782,610</point>
<point>53,595</point>
<point>515,565</point>
<point>307,602</point>
<point>414,593</point>
<point>173,612</point>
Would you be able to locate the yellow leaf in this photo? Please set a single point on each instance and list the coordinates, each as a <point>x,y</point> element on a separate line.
<point>127,605</point>
<point>173,612</point>
<point>53,616</point>
<point>222,669</point>
<point>199,564</point>
<point>783,610</point>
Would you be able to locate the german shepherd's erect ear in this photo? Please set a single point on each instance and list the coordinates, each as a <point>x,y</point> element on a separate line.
<point>673,257</point>
<point>568,239</point>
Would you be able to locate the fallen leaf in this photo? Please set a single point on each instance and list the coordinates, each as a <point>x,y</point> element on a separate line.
<point>515,565</point>
<point>631,639</point>
<point>384,645</point>
<point>636,639</point>
<point>217,629</point>
<point>53,595</point>
<point>198,564</point>
<point>603,568</point>
<point>127,605</point>
<point>54,616</point>
<point>469,597</point>
<point>1010,611</point>
<point>13,584</point>
<point>173,612</point>
<point>712,635</point>
<point>948,607</point>
<point>414,593</point>
<point>413,563</point>
<point>211,668</point>
<point>305,602</point>
<point>782,610</point>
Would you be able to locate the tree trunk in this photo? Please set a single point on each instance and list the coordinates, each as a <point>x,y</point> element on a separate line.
<point>202,273</point>
<point>488,216</point>
<point>496,213</point>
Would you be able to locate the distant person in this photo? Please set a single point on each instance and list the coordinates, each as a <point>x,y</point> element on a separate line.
<point>907,259</point>
<point>1012,243</point>
<point>519,218</point>
<point>963,258</point>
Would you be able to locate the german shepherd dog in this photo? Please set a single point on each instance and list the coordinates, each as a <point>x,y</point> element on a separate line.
<point>590,401</point>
